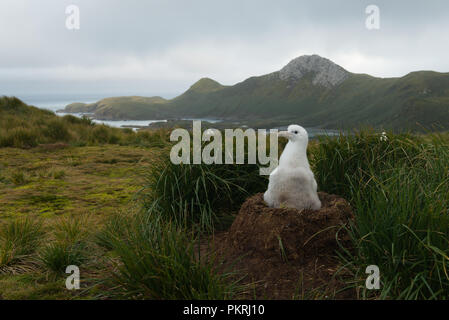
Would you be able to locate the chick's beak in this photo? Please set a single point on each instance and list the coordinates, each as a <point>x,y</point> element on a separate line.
<point>284,134</point>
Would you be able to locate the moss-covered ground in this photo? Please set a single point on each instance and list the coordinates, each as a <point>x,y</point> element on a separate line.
<point>83,182</point>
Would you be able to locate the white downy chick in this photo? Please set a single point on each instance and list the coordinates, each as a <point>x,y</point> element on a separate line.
<point>292,184</point>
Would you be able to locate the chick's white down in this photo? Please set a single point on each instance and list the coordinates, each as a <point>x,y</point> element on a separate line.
<point>292,184</point>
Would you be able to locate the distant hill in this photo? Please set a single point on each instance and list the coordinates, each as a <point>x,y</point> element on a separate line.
<point>310,90</point>
<point>120,107</point>
<point>24,126</point>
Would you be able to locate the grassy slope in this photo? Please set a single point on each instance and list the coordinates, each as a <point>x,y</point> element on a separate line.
<point>133,107</point>
<point>120,107</point>
<point>83,182</point>
<point>25,126</point>
<point>73,180</point>
<point>52,168</point>
<point>398,188</point>
<point>418,99</point>
<point>148,108</point>
<point>398,102</point>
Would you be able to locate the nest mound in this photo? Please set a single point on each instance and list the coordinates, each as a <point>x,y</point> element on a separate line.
<point>281,250</point>
<point>288,233</point>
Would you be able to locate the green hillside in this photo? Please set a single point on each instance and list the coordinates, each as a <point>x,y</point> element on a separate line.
<point>415,101</point>
<point>206,85</point>
<point>24,126</point>
<point>121,107</point>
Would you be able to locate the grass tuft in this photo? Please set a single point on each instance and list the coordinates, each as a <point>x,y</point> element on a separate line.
<point>158,261</point>
<point>57,256</point>
<point>70,246</point>
<point>200,195</point>
<point>19,239</point>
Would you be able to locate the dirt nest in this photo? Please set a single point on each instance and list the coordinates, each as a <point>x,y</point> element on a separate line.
<point>289,233</point>
<point>286,249</point>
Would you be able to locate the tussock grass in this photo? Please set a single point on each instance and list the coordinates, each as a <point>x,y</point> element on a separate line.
<point>19,239</point>
<point>158,260</point>
<point>18,177</point>
<point>58,255</point>
<point>71,230</point>
<point>340,162</point>
<point>400,191</point>
<point>200,195</point>
<point>59,175</point>
<point>115,229</point>
<point>69,246</point>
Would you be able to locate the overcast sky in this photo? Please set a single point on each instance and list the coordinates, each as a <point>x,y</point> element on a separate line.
<point>163,46</point>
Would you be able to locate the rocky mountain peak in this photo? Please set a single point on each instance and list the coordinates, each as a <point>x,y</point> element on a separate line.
<point>325,72</point>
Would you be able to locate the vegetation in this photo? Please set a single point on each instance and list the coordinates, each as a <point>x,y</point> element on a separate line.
<point>69,247</point>
<point>18,240</point>
<point>73,181</point>
<point>57,256</point>
<point>119,107</point>
<point>157,260</point>
<point>69,200</point>
<point>398,185</point>
<point>200,195</point>
<point>399,188</point>
<point>417,101</point>
<point>23,126</point>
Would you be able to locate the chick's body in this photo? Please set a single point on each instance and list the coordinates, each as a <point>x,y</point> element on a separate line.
<point>292,184</point>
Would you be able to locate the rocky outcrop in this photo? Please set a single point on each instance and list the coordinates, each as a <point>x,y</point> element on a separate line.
<point>324,72</point>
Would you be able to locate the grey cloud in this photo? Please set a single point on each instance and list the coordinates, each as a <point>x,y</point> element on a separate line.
<point>165,45</point>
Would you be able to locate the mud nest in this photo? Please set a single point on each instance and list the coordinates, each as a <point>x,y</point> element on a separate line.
<point>290,234</point>
<point>285,251</point>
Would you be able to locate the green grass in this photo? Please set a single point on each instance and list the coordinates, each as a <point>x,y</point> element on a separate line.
<point>400,191</point>
<point>18,178</point>
<point>71,181</point>
<point>58,255</point>
<point>69,247</point>
<point>416,101</point>
<point>71,230</point>
<point>60,174</point>
<point>200,195</point>
<point>159,260</point>
<point>350,159</point>
<point>121,107</point>
<point>23,126</point>
<point>19,239</point>
<point>113,230</point>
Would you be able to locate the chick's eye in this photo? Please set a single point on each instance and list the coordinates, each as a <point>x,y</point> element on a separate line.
<point>295,132</point>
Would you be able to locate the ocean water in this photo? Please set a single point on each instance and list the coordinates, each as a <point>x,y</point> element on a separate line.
<point>115,123</point>
<point>55,102</point>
